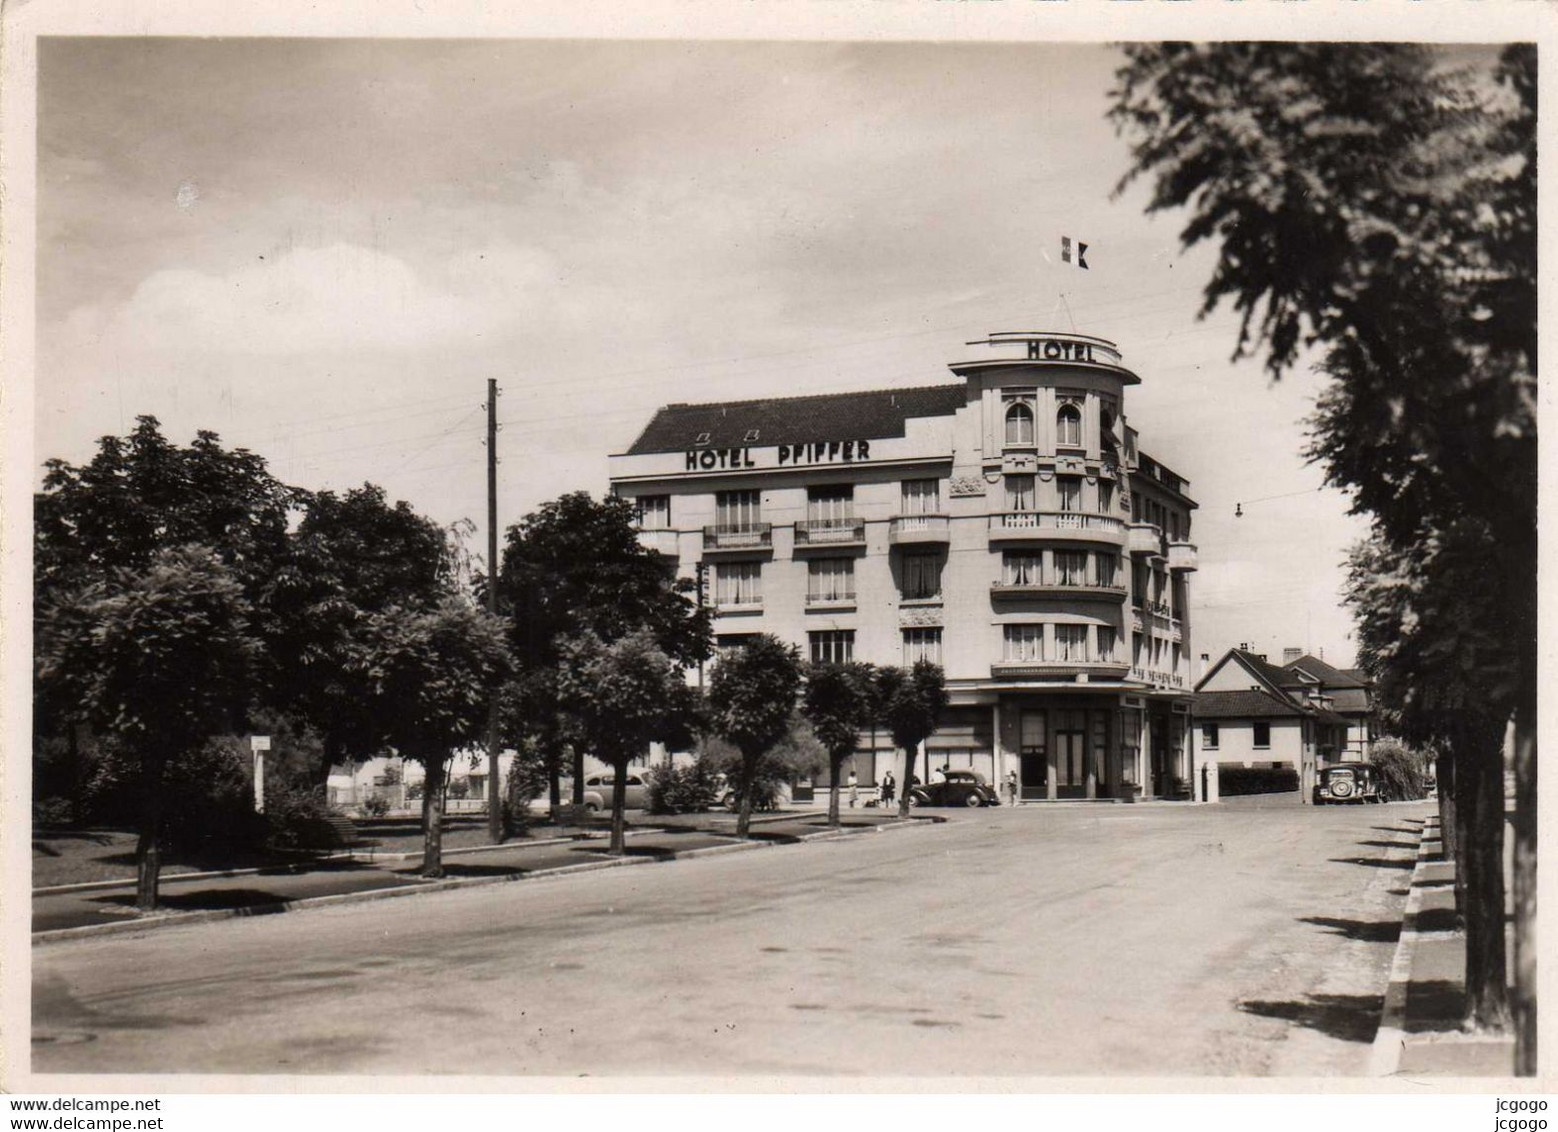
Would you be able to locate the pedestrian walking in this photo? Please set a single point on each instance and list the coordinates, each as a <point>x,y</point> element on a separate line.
<point>1011,786</point>
<point>889,788</point>
<point>854,790</point>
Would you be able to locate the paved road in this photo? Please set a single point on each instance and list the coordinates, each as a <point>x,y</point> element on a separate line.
<point>1065,940</point>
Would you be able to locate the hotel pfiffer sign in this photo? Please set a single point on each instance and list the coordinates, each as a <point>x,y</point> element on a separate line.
<point>781,456</point>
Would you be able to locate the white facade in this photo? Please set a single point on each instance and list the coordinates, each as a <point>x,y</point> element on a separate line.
<point>1005,527</point>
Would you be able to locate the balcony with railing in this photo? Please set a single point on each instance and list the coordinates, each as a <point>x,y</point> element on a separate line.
<point>661,542</point>
<point>1009,590</point>
<point>738,537</point>
<point>830,533</point>
<point>1086,526</point>
<point>834,599</point>
<point>907,530</point>
<point>1147,539</point>
<point>1182,556</point>
<point>732,605</point>
<point>1051,670</point>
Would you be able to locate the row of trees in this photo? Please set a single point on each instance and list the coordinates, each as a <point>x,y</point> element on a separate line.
<point>183,594</point>
<point>1377,203</point>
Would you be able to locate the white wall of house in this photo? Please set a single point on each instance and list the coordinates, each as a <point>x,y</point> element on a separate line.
<point>1236,743</point>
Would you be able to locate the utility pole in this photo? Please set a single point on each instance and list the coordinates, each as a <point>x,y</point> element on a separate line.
<point>494,792</point>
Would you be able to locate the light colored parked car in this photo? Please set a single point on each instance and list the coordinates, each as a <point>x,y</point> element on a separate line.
<point>598,791</point>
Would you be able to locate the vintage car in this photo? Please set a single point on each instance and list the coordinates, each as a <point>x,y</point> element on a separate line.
<point>598,791</point>
<point>957,788</point>
<point>1347,782</point>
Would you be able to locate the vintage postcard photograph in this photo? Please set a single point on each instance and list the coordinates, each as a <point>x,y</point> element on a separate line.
<point>1001,562</point>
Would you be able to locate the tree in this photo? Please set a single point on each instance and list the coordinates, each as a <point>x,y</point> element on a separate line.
<point>752,696</point>
<point>350,557</point>
<point>1428,627</point>
<point>137,499</point>
<point>141,495</point>
<point>621,696</point>
<point>909,702</point>
<point>576,566</point>
<point>430,675</point>
<point>1377,202</point>
<point>162,658</point>
<point>838,702</point>
<point>798,754</point>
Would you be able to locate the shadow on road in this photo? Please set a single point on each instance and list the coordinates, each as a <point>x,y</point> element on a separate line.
<point>1366,931</point>
<point>1434,1004</point>
<point>1417,828</point>
<point>1389,844</point>
<point>1377,862</point>
<point>1350,1017</point>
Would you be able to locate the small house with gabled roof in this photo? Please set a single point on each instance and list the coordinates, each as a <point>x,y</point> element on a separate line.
<point>1247,712</point>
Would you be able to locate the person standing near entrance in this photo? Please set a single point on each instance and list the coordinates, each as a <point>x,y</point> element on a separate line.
<point>1011,787</point>
<point>854,789</point>
<point>889,788</point>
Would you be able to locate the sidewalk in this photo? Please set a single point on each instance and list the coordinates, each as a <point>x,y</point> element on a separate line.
<point>186,898</point>
<point>1420,1033</point>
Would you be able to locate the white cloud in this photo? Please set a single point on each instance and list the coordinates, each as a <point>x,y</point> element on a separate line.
<point>315,300</point>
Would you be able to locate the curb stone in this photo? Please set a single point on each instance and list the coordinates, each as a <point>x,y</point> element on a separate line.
<point>1390,1038</point>
<point>353,855</point>
<point>171,919</point>
<point>290,870</point>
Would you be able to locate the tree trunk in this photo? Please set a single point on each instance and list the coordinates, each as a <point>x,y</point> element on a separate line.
<point>433,817</point>
<point>148,849</point>
<point>331,752</point>
<point>744,814</point>
<point>836,763</point>
<point>496,827</point>
<point>78,775</point>
<point>554,782</point>
<point>1444,771</point>
<point>1525,885</point>
<point>1479,788</point>
<point>619,799</point>
<point>910,754</point>
<point>578,777</point>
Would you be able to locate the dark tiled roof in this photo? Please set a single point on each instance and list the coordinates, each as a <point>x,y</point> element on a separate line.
<point>1332,718</point>
<point>1243,705</point>
<point>1361,675</point>
<point>797,420</point>
<point>1329,677</point>
<point>1350,699</point>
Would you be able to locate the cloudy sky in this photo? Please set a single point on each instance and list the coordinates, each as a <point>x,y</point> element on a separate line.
<point>322,249</point>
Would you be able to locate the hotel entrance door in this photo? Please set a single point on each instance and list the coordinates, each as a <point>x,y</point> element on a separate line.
<point>1035,764</point>
<point>1071,754</point>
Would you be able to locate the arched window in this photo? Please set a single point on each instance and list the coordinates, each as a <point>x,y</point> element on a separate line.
<point>1019,425</point>
<point>1068,426</point>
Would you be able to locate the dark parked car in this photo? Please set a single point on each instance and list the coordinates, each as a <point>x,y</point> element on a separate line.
<point>1348,782</point>
<point>957,788</point>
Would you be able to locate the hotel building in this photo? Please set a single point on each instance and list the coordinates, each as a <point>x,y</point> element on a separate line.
<point>1006,526</point>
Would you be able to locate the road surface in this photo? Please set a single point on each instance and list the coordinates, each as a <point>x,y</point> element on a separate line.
<point>1065,940</point>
